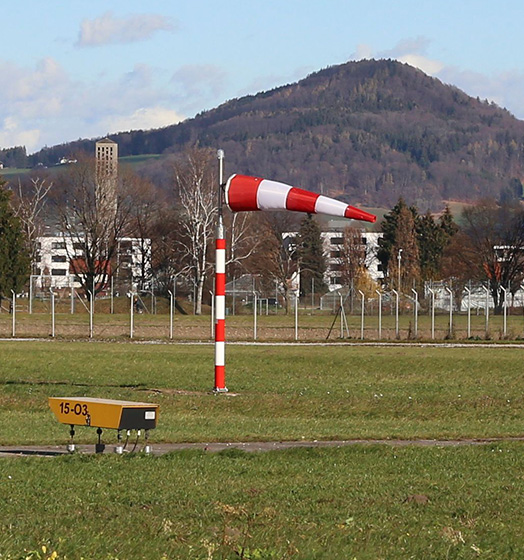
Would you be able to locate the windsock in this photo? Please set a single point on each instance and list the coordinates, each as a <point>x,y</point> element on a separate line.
<point>244,193</point>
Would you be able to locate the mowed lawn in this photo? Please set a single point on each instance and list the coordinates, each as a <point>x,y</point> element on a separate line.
<point>364,501</point>
<point>275,392</point>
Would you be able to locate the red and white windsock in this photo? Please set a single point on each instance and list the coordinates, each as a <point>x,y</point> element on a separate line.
<point>244,194</point>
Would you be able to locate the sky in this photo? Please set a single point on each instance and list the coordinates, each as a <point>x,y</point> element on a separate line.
<point>80,69</point>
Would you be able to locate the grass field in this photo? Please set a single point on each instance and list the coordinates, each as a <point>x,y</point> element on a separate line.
<point>364,501</point>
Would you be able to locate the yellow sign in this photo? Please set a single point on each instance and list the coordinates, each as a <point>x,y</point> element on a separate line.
<point>104,413</point>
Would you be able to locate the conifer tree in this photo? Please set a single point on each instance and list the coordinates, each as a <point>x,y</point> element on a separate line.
<point>311,256</point>
<point>388,246</point>
<point>14,259</point>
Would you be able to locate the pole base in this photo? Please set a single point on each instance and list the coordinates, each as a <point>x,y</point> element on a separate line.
<point>220,390</point>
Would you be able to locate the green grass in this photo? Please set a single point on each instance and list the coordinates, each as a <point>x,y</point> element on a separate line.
<point>359,502</point>
<point>362,501</point>
<point>301,392</point>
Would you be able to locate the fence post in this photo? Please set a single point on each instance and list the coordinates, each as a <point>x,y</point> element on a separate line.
<point>52,313</point>
<point>31,293</point>
<point>486,309</point>
<point>255,305</point>
<point>171,306</point>
<point>72,293</point>
<point>416,311</point>
<point>432,292</point>
<point>13,312</point>
<point>379,314</point>
<point>91,312</point>
<point>362,307</point>
<point>112,296</point>
<point>504,310</point>
<point>450,311</point>
<point>468,291</point>
<point>212,314</point>
<point>396,313</point>
<point>131,314</point>
<point>296,314</point>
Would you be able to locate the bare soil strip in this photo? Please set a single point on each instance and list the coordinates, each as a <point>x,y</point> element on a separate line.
<point>251,446</point>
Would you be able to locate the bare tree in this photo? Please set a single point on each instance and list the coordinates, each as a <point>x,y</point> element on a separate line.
<point>353,257</point>
<point>28,208</point>
<point>496,245</point>
<point>196,187</point>
<point>243,240</point>
<point>275,258</point>
<point>93,233</point>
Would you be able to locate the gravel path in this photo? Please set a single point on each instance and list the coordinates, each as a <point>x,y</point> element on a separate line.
<point>252,446</point>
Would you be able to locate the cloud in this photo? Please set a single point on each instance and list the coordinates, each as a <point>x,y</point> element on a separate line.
<point>42,105</point>
<point>12,133</point>
<point>142,119</point>
<point>198,84</point>
<point>108,29</point>
<point>271,81</point>
<point>503,88</point>
<point>410,51</point>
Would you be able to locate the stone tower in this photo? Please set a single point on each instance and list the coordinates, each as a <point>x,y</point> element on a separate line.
<point>106,178</point>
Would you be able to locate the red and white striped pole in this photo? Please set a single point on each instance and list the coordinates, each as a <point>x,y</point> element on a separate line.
<point>220,287</point>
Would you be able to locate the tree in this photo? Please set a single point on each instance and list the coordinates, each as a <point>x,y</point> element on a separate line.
<point>310,253</point>
<point>353,257</point>
<point>14,258</point>
<point>275,259</point>
<point>496,236</point>
<point>399,237</point>
<point>28,207</point>
<point>456,265</point>
<point>405,271</point>
<point>196,187</point>
<point>90,228</point>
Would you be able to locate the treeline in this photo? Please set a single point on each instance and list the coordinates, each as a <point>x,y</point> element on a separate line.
<point>487,247</point>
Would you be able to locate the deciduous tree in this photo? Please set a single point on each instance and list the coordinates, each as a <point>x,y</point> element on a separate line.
<point>496,236</point>
<point>196,189</point>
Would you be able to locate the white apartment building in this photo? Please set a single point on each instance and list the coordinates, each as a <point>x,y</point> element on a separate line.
<point>332,242</point>
<point>55,253</point>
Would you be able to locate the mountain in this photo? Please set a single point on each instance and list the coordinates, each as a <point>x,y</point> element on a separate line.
<point>366,132</point>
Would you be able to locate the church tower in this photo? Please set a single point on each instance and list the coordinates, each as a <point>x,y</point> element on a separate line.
<point>106,178</point>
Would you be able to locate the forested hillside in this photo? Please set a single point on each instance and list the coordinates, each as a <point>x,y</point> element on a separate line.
<point>367,132</point>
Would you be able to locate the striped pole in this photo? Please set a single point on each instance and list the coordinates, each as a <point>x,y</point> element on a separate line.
<point>220,290</point>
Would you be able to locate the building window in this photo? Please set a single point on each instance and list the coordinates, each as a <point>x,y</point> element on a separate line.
<point>58,272</point>
<point>78,246</point>
<point>58,245</point>
<point>337,240</point>
<point>58,258</point>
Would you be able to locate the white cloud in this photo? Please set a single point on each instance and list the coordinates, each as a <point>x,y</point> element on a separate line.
<point>43,106</point>
<point>197,78</point>
<point>13,134</point>
<point>504,89</point>
<point>108,29</point>
<point>141,119</point>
